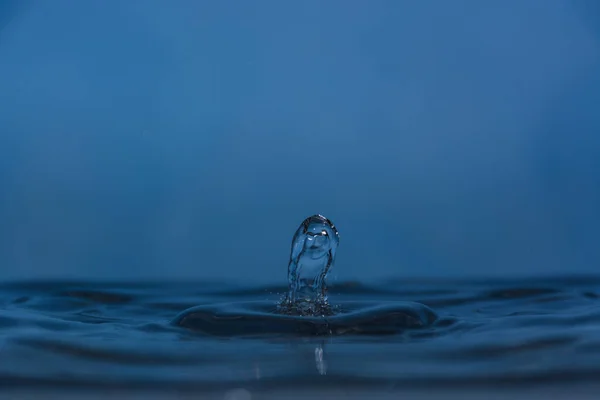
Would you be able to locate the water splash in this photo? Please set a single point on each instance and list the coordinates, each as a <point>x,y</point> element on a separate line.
<point>313,252</point>
<point>305,309</point>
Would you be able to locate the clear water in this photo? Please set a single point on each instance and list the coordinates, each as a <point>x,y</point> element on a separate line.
<point>87,338</point>
<point>314,247</point>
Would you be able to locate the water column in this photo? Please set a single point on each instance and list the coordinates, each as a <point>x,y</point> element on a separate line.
<point>313,253</point>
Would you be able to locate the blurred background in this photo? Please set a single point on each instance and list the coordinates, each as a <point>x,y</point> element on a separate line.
<point>147,139</point>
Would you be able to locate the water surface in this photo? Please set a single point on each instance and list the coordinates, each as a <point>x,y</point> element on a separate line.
<point>68,337</point>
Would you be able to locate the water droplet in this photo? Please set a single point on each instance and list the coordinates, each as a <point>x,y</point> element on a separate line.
<point>313,253</point>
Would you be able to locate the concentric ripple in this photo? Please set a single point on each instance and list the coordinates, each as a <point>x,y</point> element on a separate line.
<point>261,318</point>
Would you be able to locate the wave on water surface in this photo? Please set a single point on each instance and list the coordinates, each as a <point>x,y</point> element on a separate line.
<point>86,335</point>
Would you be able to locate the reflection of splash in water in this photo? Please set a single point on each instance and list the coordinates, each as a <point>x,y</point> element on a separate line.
<point>320,361</point>
<point>313,253</point>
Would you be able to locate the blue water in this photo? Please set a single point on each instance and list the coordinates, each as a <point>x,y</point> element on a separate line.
<point>89,337</point>
<point>446,139</point>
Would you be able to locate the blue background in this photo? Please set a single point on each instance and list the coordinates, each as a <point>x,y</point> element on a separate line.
<point>150,139</point>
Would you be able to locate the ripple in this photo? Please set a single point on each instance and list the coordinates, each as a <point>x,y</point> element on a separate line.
<point>115,354</point>
<point>481,334</point>
<point>261,318</point>
<point>99,296</point>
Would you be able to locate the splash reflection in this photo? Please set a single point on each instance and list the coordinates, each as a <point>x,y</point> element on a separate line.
<point>320,360</point>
